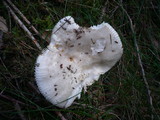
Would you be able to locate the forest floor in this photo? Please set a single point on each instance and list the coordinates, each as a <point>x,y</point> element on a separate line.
<point>129,91</point>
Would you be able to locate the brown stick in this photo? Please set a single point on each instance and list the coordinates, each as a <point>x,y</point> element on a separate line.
<point>60,115</point>
<point>24,18</point>
<point>22,26</point>
<point>141,64</point>
<point>11,99</point>
<point>62,25</point>
<point>33,87</point>
<point>18,108</point>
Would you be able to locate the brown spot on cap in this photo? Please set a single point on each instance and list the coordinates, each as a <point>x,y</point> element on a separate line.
<point>57,46</point>
<point>71,46</point>
<point>71,59</point>
<point>116,42</point>
<point>69,68</point>
<point>61,66</point>
<point>66,42</point>
<point>110,38</point>
<point>79,37</point>
<point>92,41</point>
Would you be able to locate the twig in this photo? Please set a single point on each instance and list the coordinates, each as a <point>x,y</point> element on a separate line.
<point>24,18</point>
<point>141,64</point>
<point>1,40</point>
<point>2,91</point>
<point>62,25</point>
<point>18,108</point>
<point>33,87</point>
<point>114,11</point>
<point>22,26</point>
<point>11,99</point>
<point>27,46</point>
<point>60,115</point>
<point>111,113</point>
<point>9,21</point>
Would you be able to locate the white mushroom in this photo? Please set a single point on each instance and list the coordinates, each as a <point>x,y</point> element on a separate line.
<point>74,59</point>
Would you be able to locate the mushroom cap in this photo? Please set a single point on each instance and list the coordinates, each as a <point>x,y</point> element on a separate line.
<point>74,59</point>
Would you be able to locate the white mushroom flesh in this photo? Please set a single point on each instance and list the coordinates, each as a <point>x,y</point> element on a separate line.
<point>74,59</point>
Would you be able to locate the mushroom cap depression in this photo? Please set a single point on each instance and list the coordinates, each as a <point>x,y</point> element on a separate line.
<point>74,59</point>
